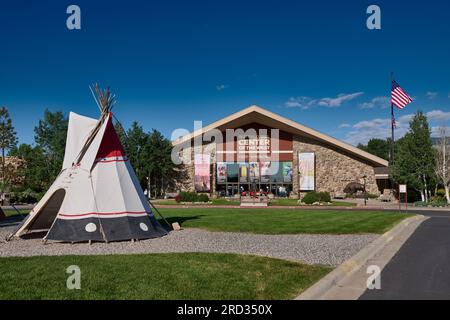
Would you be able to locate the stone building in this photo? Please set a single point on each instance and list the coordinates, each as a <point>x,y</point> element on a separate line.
<point>257,150</point>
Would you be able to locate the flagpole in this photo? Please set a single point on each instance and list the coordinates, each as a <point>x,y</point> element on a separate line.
<point>392,125</point>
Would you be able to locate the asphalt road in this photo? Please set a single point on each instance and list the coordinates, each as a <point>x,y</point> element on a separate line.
<point>421,268</point>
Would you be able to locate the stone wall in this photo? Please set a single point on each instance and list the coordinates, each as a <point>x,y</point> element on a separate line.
<point>334,168</point>
<point>187,184</point>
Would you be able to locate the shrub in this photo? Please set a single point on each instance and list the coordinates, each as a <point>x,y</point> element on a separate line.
<point>312,197</point>
<point>27,196</point>
<point>439,203</point>
<point>188,196</point>
<point>324,197</point>
<point>191,197</point>
<point>433,203</point>
<point>202,198</point>
<point>440,193</point>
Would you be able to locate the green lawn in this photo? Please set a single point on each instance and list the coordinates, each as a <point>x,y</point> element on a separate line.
<point>157,276</point>
<point>234,202</point>
<point>280,221</point>
<point>343,204</point>
<point>294,202</point>
<point>226,202</point>
<point>284,221</point>
<point>215,202</point>
<point>14,212</point>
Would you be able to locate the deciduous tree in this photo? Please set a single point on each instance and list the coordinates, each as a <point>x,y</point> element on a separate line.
<point>443,161</point>
<point>415,157</point>
<point>377,147</point>
<point>50,137</point>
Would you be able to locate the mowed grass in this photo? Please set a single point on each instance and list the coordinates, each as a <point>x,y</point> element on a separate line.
<point>214,202</point>
<point>157,276</point>
<point>280,221</point>
<point>284,221</point>
<point>234,202</point>
<point>9,212</point>
<point>294,202</point>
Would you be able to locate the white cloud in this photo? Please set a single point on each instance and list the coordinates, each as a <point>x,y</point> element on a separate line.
<point>431,94</point>
<point>344,125</point>
<point>305,102</point>
<point>380,128</point>
<point>363,131</point>
<point>406,118</point>
<point>300,102</point>
<point>341,98</point>
<point>438,115</point>
<point>377,102</point>
<point>221,87</point>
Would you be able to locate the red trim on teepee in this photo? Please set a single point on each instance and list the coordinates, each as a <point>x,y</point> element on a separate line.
<point>104,213</point>
<point>110,145</point>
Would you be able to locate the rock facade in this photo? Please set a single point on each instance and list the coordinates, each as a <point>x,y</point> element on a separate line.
<point>334,168</point>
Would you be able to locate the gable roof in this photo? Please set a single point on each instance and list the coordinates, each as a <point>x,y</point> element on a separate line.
<point>263,116</point>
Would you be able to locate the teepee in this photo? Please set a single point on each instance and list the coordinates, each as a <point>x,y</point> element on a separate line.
<point>96,196</point>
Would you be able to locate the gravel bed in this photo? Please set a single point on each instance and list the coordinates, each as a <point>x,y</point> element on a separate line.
<point>312,249</point>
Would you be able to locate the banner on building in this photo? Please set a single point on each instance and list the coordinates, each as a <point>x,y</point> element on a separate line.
<point>243,172</point>
<point>287,172</point>
<point>254,172</point>
<point>201,171</point>
<point>265,170</point>
<point>306,171</point>
<point>221,172</point>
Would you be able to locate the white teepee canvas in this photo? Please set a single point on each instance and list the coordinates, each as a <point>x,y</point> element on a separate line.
<point>97,195</point>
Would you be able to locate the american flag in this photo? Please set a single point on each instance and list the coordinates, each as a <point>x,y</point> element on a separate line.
<point>394,124</point>
<point>399,97</point>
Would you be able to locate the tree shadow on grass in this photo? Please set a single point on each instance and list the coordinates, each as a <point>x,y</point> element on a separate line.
<point>180,220</point>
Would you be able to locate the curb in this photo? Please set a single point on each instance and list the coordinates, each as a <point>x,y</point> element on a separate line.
<point>350,266</point>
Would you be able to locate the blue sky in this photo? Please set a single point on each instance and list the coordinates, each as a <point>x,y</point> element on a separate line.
<point>173,62</point>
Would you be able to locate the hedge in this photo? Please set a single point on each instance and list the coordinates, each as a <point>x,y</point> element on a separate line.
<point>191,197</point>
<point>313,196</point>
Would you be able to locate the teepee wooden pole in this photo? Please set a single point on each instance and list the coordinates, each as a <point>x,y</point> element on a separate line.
<point>153,206</point>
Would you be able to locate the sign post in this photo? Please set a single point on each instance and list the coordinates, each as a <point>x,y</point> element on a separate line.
<point>402,189</point>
